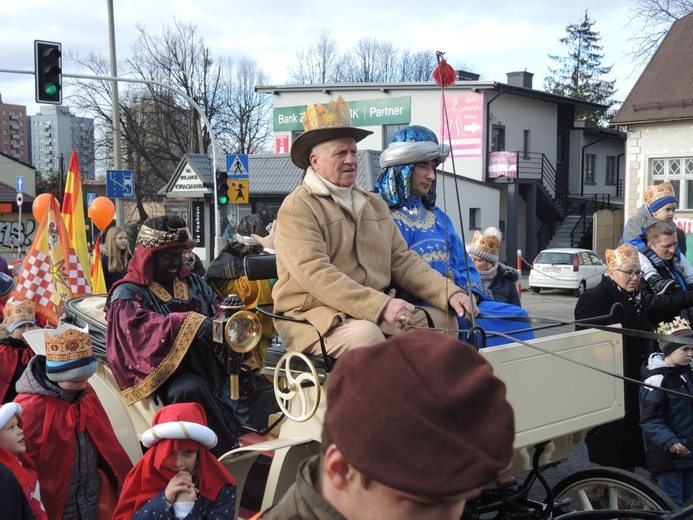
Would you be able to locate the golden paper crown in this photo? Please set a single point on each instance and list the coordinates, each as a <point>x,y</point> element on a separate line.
<point>19,310</point>
<point>486,246</point>
<point>67,343</point>
<point>149,237</point>
<point>658,191</point>
<point>334,115</point>
<point>623,254</point>
<point>670,327</point>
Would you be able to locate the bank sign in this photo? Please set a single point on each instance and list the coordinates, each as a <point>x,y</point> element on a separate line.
<point>369,112</point>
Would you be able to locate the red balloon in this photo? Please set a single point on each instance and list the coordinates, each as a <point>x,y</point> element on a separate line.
<point>101,212</point>
<point>40,205</point>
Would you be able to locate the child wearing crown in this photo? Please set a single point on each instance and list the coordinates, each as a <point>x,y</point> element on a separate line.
<point>67,432</point>
<point>178,477</point>
<point>11,446</point>
<point>660,205</point>
<point>666,419</point>
<point>19,316</point>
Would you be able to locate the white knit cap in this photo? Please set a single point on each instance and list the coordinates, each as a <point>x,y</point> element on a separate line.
<point>7,411</point>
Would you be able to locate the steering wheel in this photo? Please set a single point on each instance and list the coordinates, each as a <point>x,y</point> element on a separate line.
<point>294,390</point>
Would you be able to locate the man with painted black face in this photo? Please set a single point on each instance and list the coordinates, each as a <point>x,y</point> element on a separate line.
<point>159,336</point>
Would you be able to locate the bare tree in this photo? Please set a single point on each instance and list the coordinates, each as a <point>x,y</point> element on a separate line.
<point>416,66</point>
<point>247,129</point>
<point>656,16</point>
<point>320,63</point>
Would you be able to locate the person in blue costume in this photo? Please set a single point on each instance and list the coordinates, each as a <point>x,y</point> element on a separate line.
<point>408,184</point>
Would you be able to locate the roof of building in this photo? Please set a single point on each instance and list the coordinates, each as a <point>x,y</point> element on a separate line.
<point>9,194</point>
<point>273,174</point>
<point>579,104</point>
<point>664,90</point>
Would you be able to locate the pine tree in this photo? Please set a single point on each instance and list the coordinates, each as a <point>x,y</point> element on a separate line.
<point>580,73</point>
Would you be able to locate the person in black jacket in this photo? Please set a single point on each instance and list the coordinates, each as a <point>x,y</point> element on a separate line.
<point>666,418</point>
<point>499,278</point>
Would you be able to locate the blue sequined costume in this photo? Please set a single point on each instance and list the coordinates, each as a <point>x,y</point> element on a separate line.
<point>429,232</point>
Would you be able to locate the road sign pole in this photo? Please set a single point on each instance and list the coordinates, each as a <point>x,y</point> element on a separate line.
<point>19,245</point>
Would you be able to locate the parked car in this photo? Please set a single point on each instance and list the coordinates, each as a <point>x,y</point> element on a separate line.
<point>566,268</point>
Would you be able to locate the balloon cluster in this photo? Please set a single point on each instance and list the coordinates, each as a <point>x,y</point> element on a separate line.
<point>101,210</point>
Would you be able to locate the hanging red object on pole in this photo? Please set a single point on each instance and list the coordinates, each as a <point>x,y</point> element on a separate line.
<point>444,75</point>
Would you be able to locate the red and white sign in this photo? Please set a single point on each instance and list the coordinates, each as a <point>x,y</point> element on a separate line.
<point>281,144</point>
<point>465,118</point>
<point>20,198</point>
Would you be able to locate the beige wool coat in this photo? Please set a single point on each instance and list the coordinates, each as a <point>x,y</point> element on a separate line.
<point>333,263</point>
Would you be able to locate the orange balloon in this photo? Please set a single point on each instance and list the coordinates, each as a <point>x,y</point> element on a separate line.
<point>40,205</point>
<point>101,212</point>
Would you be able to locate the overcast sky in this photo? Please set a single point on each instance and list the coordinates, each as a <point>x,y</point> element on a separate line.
<point>517,35</point>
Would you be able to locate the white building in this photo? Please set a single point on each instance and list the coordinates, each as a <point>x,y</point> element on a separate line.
<point>54,131</point>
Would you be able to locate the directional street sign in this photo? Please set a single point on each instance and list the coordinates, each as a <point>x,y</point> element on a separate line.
<point>20,183</point>
<point>120,184</point>
<point>237,166</point>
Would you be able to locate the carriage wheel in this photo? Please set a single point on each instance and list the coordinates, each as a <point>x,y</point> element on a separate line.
<point>296,389</point>
<point>611,488</point>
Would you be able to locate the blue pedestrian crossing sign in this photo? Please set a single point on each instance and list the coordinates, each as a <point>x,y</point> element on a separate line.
<point>90,198</point>
<point>237,166</point>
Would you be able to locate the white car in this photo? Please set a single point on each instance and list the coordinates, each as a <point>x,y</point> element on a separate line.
<point>566,268</point>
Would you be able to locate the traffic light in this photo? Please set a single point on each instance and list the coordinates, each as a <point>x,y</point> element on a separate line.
<point>48,74</point>
<point>222,188</point>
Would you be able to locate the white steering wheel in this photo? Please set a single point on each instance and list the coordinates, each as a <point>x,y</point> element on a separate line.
<point>294,392</point>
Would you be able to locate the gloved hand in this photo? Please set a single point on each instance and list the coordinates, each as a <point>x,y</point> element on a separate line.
<point>203,338</point>
<point>653,258</point>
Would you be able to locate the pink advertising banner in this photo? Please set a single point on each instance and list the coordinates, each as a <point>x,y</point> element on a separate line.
<point>502,164</point>
<point>465,117</point>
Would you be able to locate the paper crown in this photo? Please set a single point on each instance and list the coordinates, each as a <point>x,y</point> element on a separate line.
<point>623,254</point>
<point>486,246</point>
<point>323,123</point>
<point>19,311</point>
<point>67,343</point>
<point>659,195</point>
<point>671,327</point>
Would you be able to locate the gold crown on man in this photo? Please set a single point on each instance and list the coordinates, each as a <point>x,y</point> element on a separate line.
<point>333,115</point>
<point>19,310</point>
<point>67,345</point>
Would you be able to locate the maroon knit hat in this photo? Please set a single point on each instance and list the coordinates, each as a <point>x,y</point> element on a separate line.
<point>422,413</point>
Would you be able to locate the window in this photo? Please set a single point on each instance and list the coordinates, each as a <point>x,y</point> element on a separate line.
<point>498,138</point>
<point>610,170</point>
<point>389,132</point>
<point>588,168</point>
<point>474,218</point>
<point>679,172</point>
<point>525,145</point>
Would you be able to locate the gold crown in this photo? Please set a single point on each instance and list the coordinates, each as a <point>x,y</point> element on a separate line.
<point>658,191</point>
<point>489,244</point>
<point>19,310</point>
<point>671,327</point>
<point>67,343</point>
<point>334,115</point>
<point>623,254</point>
<point>149,237</point>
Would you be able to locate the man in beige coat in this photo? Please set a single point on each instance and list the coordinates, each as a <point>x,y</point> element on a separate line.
<point>339,251</point>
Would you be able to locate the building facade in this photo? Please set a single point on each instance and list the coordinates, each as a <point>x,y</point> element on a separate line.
<point>14,138</point>
<point>55,131</point>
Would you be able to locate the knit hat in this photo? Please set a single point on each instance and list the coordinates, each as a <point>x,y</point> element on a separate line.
<point>6,284</point>
<point>678,327</point>
<point>444,426</point>
<point>323,123</point>
<point>7,411</point>
<point>486,246</point>
<point>18,313</point>
<point>69,354</point>
<point>623,254</point>
<point>659,195</point>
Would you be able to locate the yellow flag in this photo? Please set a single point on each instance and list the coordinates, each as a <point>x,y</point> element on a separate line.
<point>98,283</point>
<point>73,214</point>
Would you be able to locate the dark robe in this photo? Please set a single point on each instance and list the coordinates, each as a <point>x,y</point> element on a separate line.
<point>619,443</point>
<point>14,357</point>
